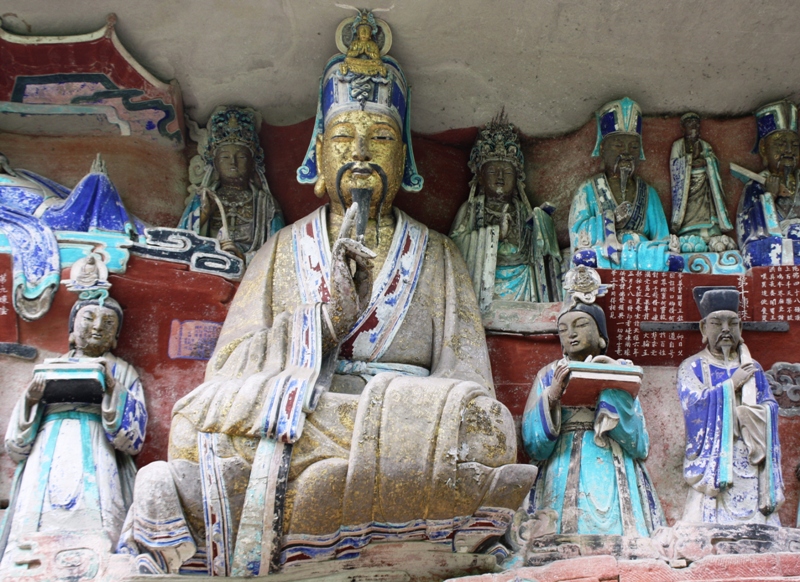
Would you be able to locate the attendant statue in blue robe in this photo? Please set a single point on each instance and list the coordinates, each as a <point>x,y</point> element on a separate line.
<point>768,219</point>
<point>699,215</point>
<point>231,200</point>
<point>75,473</point>
<point>733,456</point>
<point>592,478</point>
<point>616,220</point>
<point>510,248</point>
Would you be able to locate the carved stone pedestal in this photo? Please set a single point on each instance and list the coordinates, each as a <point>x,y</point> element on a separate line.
<point>549,548</point>
<point>694,542</point>
<point>75,557</point>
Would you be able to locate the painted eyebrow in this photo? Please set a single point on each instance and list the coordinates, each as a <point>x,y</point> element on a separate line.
<point>385,124</point>
<point>339,123</point>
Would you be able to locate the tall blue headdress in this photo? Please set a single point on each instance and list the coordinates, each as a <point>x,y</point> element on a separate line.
<point>620,116</point>
<point>380,88</point>
<point>778,116</point>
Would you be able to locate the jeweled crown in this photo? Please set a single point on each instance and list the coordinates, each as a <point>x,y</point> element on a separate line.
<point>232,125</point>
<point>498,140</point>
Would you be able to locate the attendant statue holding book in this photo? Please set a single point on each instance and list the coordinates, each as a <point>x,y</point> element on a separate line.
<point>72,433</point>
<point>583,425</point>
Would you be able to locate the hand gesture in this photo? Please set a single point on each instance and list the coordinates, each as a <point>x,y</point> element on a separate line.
<point>108,373</point>
<point>742,375</point>
<point>622,213</point>
<point>35,389</point>
<point>505,219</point>
<point>229,246</point>
<point>350,291</point>
<point>775,186</point>
<point>205,205</point>
<point>559,385</point>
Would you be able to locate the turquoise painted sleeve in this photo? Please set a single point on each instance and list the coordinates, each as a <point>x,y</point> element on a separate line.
<point>584,216</point>
<point>656,227</point>
<point>630,432</point>
<point>726,445</point>
<point>598,502</point>
<point>539,432</point>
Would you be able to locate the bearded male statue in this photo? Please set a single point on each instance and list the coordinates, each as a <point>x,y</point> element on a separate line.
<point>616,220</point>
<point>768,218</point>
<point>350,395</point>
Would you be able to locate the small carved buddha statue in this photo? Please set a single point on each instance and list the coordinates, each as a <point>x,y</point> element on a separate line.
<point>363,55</point>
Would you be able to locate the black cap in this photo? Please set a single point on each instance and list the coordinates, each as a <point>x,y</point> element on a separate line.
<point>711,299</point>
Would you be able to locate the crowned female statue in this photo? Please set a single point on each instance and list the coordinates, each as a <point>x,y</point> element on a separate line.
<point>510,248</point>
<point>232,201</point>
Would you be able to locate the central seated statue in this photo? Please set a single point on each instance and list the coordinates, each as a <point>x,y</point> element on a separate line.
<point>350,395</point>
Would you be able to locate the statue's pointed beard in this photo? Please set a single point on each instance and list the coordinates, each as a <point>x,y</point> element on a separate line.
<point>788,170</point>
<point>363,197</point>
<point>625,166</point>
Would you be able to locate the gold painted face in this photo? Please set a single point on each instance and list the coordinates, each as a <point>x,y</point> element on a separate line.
<point>364,32</point>
<point>358,150</point>
<point>95,330</point>
<point>779,151</point>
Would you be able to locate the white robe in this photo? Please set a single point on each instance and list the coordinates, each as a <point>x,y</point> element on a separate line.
<point>75,473</point>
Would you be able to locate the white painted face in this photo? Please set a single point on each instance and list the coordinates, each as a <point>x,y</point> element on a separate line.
<point>94,331</point>
<point>723,331</point>
<point>579,335</point>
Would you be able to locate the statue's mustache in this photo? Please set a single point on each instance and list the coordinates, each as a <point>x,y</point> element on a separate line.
<point>363,196</point>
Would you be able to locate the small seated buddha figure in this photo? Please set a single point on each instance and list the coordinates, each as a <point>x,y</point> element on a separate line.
<point>363,55</point>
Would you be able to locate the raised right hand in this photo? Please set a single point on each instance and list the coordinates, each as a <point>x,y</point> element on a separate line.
<point>742,375</point>
<point>350,292</point>
<point>205,205</point>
